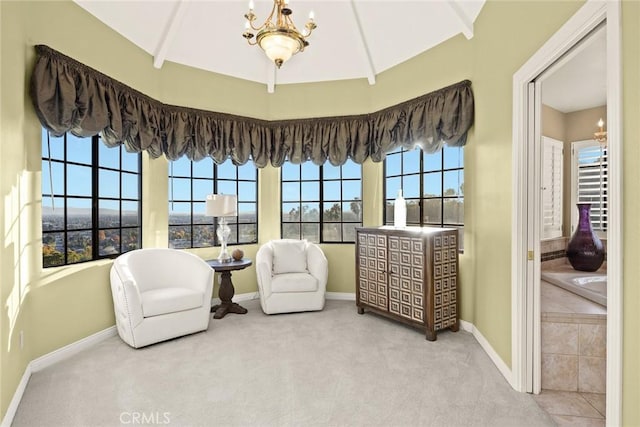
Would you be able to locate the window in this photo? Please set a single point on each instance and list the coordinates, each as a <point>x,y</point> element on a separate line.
<point>432,185</point>
<point>191,182</point>
<point>589,182</point>
<point>552,167</point>
<point>322,204</point>
<point>90,200</point>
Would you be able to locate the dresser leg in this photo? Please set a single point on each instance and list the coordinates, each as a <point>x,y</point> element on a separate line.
<point>360,310</point>
<point>430,335</point>
<point>455,327</point>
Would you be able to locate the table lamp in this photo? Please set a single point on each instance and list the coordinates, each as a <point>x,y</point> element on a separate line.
<point>222,206</point>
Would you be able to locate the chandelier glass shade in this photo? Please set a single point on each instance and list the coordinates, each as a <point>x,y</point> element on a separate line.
<point>601,134</point>
<point>278,35</point>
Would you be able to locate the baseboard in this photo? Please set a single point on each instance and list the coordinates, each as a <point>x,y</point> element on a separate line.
<point>345,296</point>
<point>495,358</point>
<point>49,359</point>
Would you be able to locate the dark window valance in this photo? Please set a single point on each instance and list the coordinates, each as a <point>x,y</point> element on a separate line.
<point>70,96</point>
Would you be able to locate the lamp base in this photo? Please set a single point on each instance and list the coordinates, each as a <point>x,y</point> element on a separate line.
<point>224,257</point>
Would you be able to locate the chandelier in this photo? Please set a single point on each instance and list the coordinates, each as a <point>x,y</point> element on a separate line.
<point>278,36</point>
<point>601,134</point>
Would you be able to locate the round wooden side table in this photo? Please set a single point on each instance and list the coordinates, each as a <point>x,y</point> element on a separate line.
<point>227,291</point>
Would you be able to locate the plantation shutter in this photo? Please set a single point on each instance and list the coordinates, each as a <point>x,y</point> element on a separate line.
<point>590,164</point>
<point>552,166</point>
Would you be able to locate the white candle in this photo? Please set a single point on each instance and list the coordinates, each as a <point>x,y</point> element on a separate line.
<point>600,123</point>
<point>251,4</point>
<point>311,15</point>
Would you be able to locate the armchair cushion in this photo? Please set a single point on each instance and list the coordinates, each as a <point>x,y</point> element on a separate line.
<point>289,256</point>
<point>170,300</point>
<point>294,282</point>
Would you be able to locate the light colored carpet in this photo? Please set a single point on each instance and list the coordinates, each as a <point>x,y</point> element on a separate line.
<point>328,368</point>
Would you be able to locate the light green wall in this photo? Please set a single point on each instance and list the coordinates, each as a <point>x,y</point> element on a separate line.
<point>58,306</point>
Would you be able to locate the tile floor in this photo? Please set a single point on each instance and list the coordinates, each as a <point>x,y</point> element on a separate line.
<point>573,409</point>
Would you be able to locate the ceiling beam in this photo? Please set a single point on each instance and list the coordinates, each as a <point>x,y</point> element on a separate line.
<point>271,77</point>
<point>169,33</point>
<point>465,22</point>
<point>361,41</point>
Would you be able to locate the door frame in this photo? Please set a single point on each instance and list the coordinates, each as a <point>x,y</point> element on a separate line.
<point>525,237</point>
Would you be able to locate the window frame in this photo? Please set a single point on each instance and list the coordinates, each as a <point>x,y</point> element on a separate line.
<point>94,198</point>
<point>421,173</point>
<point>604,185</point>
<point>234,239</point>
<point>321,201</point>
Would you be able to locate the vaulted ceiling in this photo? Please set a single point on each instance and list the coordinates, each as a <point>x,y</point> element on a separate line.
<point>354,39</point>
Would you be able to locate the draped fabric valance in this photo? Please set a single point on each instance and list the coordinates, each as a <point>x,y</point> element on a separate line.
<point>71,97</point>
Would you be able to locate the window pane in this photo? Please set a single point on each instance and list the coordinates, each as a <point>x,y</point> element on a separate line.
<point>203,168</point>
<point>247,212</point>
<point>130,239</point>
<point>389,211</point>
<point>310,212</point>
<point>349,232</point>
<point>248,233</point>
<point>130,161</point>
<point>202,188</point>
<point>109,242</point>
<point>52,249</point>
<point>180,167</point>
<point>432,211</point>
<point>331,190</point>
<point>310,171</point>
<point>351,170</point>
<point>180,236</point>
<point>78,180</point>
<point>330,172</point>
<point>130,185</point>
<point>52,213</point>
<point>247,171</point>
<point>432,184</point>
<point>351,211</point>
<point>393,185</point>
<point>393,165</point>
<point>350,190</point>
<point>233,236</point>
<point>291,231</point>
<point>199,217</point>
<point>411,186</point>
<point>108,213</point>
<point>79,246</point>
<point>413,212</point>
<point>290,191</point>
<point>179,213</point>
<point>79,214</point>
<point>108,183</point>
<point>332,212</point>
<point>56,174</point>
<point>453,183</point>
<point>311,190</point>
<point>179,189</point>
<point>432,162</point>
<point>108,157</point>
<point>411,161</point>
<point>290,212</point>
<point>203,236</point>
<point>453,211</point>
<point>332,232</point>
<point>247,191</point>
<point>55,144</point>
<point>311,232</point>
<point>78,149</point>
<point>227,170</point>
<point>130,213</point>
<point>290,172</point>
<point>227,187</point>
<point>453,157</point>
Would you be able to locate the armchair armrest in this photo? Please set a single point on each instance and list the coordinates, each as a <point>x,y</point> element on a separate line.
<point>126,295</point>
<point>317,264</point>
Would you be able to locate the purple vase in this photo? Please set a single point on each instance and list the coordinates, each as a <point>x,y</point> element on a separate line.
<point>585,250</point>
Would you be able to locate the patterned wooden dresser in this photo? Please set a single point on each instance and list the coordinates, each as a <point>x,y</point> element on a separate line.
<point>409,275</point>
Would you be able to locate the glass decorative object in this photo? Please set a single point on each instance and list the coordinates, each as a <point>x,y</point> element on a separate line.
<point>400,211</point>
<point>585,250</point>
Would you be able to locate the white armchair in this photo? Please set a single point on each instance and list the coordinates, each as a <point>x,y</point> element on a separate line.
<point>159,294</point>
<point>292,276</point>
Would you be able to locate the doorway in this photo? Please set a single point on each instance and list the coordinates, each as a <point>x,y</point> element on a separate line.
<point>526,230</point>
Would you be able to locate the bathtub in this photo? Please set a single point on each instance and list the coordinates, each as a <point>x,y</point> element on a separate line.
<point>592,286</point>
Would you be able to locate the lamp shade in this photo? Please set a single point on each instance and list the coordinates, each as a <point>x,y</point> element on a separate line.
<point>222,205</point>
